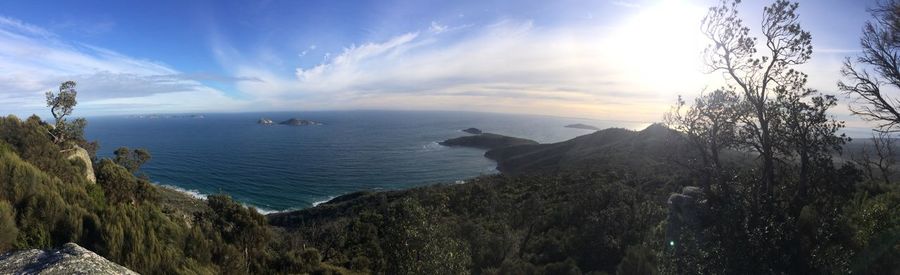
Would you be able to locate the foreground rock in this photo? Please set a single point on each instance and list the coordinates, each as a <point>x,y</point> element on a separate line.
<point>81,154</point>
<point>474,131</point>
<point>684,216</point>
<point>582,126</point>
<point>70,259</point>
<point>488,141</point>
<point>299,122</point>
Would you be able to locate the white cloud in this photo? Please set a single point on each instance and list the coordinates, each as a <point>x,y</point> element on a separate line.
<point>307,50</point>
<point>346,61</point>
<point>625,3</point>
<point>507,66</point>
<point>34,60</point>
<point>437,27</point>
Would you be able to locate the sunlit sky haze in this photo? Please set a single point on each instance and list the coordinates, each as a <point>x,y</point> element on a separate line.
<point>614,60</point>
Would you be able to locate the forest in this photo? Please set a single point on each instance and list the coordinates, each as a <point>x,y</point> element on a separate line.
<point>755,177</point>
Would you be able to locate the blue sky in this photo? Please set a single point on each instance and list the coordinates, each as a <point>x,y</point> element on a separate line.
<point>614,59</point>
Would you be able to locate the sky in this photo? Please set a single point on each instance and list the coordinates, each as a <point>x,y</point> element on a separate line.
<point>604,59</point>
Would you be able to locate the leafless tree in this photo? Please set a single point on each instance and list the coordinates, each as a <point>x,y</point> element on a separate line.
<point>884,149</point>
<point>880,155</point>
<point>873,92</point>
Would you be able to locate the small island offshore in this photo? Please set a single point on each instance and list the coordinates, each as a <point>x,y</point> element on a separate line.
<point>582,126</point>
<point>289,122</point>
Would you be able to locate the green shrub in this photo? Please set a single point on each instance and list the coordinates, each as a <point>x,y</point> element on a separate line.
<point>8,230</point>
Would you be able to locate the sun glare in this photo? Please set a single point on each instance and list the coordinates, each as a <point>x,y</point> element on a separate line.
<point>659,48</point>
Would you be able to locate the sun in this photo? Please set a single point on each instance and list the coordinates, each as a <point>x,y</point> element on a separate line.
<point>659,47</point>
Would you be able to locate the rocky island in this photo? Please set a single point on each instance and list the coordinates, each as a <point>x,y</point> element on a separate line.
<point>299,122</point>
<point>582,126</point>
<point>265,121</point>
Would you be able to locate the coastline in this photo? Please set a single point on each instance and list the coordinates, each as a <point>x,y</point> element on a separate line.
<point>197,195</point>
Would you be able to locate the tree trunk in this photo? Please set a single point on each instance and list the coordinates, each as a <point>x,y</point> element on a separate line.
<point>885,173</point>
<point>714,153</point>
<point>803,188</point>
<point>767,154</point>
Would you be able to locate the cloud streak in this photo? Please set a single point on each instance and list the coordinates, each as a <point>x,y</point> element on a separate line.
<point>34,60</point>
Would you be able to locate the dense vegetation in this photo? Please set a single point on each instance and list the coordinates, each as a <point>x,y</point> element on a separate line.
<point>754,179</point>
<point>568,224</point>
<point>608,219</point>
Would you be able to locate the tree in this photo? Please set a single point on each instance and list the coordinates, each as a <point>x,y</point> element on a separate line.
<point>415,244</point>
<point>8,230</point>
<point>733,51</point>
<point>61,105</point>
<point>808,133</point>
<point>242,226</point>
<point>131,159</point>
<point>884,149</point>
<point>880,43</point>
<point>788,125</point>
<point>880,155</point>
<point>119,185</point>
<point>710,125</point>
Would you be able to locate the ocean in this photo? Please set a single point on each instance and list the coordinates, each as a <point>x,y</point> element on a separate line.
<point>279,168</point>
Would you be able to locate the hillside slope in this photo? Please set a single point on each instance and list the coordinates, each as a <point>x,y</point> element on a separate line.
<point>609,149</point>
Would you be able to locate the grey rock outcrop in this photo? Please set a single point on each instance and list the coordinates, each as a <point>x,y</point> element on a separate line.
<point>69,259</point>
<point>684,215</point>
<point>81,154</point>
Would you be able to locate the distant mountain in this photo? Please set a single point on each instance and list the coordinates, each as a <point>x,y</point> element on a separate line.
<point>582,126</point>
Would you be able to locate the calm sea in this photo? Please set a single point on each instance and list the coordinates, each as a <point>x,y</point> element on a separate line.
<point>276,168</point>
